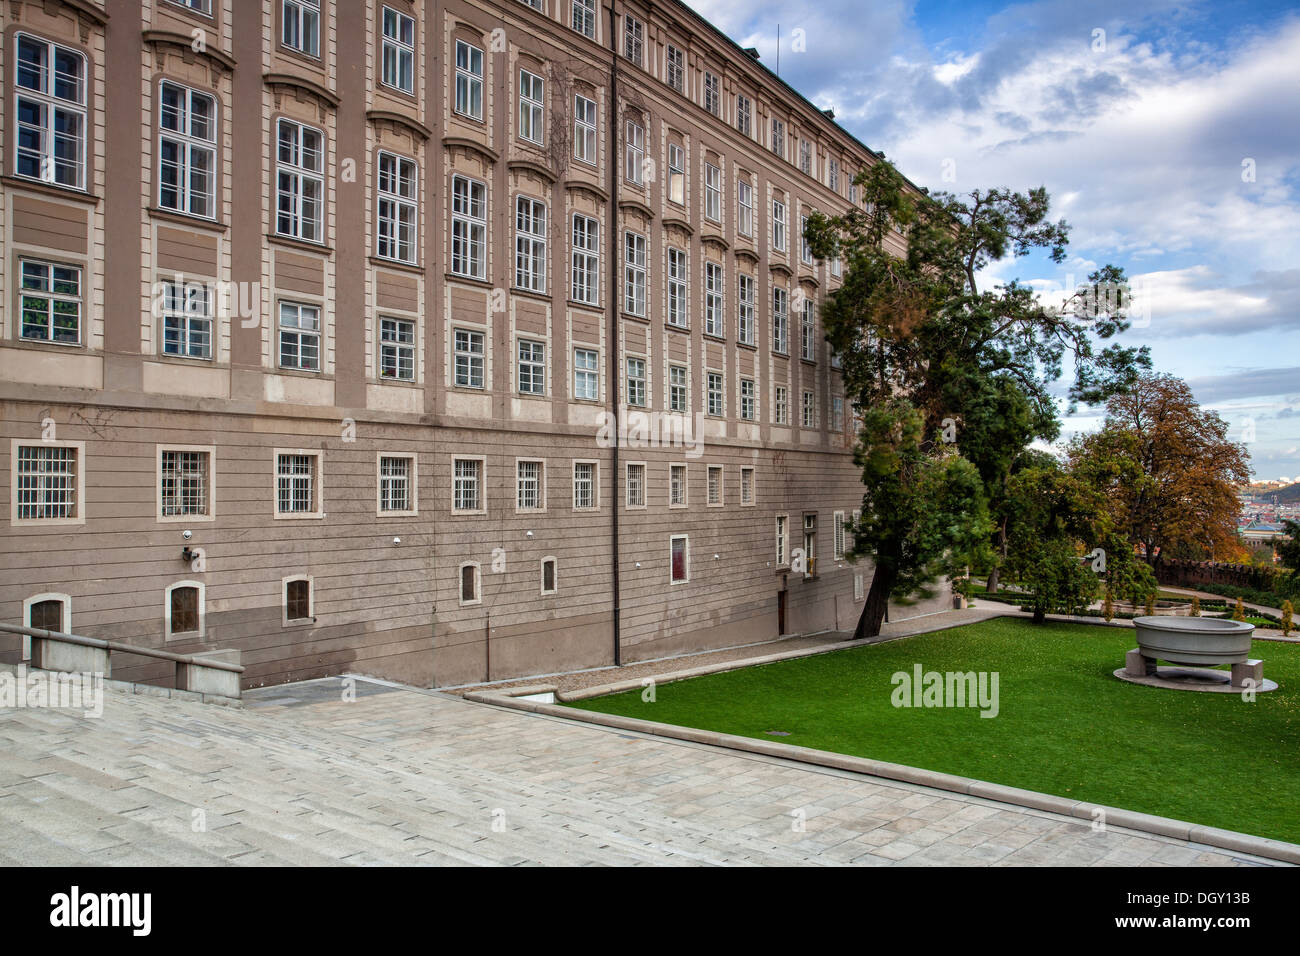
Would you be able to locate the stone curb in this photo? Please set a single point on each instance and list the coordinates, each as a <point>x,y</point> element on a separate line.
<point>146,690</point>
<point>1110,816</point>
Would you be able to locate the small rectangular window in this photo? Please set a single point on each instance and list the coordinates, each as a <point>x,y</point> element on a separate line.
<point>714,485</point>
<point>530,487</point>
<point>781,403</point>
<point>183,483</point>
<point>746,486</point>
<point>548,575</point>
<point>715,402</point>
<point>51,302</point>
<point>297,485</point>
<point>584,484</point>
<point>677,486</point>
<point>747,410</point>
<point>467,480</point>
<point>782,525</point>
<point>396,481</point>
<point>469,584</point>
<point>677,398</point>
<point>635,485</point>
<point>468,347</point>
<point>636,384</point>
<point>532,368</point>
<point>809,410</point>
<point>679,552</point>
<point>586,375</point>
<point>300,336</point>
<point>47,483</point>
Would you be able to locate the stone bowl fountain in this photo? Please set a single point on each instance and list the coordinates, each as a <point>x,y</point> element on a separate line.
<point>1194,641</point>
<point>1195,644</point>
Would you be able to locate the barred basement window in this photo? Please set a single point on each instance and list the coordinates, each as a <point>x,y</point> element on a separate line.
<point>399,51</point>
<point>296,484</point>
<point>187,150</point>
<point>635,485</point>
<point>677,485</point>
<point>532,368</point>
<point>46,616</point>
<point>468,347</point>
<point>395,483</point>
<point>548,575</point>
<point>184,483</point>
<point>469,80</point>
<point>584,484</point>
<point>746,486</point>
<point>532,99</point>
<point>397,349</point>
<point>186,320</point>
<point>529,487</point>
<point>714,485</point>
<point>47,483</point>
<point>467,479</point>
<point>51,302</point>
<point>397,228</point>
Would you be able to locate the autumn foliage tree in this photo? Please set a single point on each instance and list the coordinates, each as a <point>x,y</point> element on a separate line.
<point>1168,471</point>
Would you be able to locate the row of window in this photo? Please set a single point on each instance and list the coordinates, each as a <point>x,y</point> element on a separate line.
<point>49,484</point>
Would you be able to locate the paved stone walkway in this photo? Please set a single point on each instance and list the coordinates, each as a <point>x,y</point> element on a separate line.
<point>408,777</point>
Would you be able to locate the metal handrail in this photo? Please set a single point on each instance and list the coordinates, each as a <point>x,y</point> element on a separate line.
<point>99,642</point>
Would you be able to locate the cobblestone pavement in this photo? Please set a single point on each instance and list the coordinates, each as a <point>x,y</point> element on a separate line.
<point>301,776</point>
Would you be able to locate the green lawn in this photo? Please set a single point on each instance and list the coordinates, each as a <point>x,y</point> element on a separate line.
<point>1065,725</point>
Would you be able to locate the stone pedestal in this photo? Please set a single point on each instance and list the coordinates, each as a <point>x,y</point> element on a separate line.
<point>1250,670</point>
<point>1138,665</point>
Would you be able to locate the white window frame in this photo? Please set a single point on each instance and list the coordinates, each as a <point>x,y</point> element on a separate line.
<point>300,26</point>
<point>715,313</point>
<point>748,495</point>
<point>397,349</point>
<point>715,394</point>
<point>748,402</point>
<point>186,307</point>
<point>676,174</point>
<point>397,208</point>
<point>778,225</point>
<point>778,137</point>
<point>643,390</point>
<point>469,199</point>
<point>209,484</point>
<point>55,303</point>
<point>555,575</point>
<point>805,248</point>
<point>474,360</point>
<point>684,486</point>
<point>782,540</point>
<point>634,273</point>
<point>530,357</point>
<point>745,207</point>
<point>296,171</point>
<point>715,480</point>
<point>679,297</point>
<point>838,543</point>
<point>411,479</point>
<point>51,106</point>
<point>781,401</point>
<point>469,81</point>
<point>808,416</point>
<point>584,374</point>
<point>780,321</point>
<point>712,95</point>
<point>679,387</point>
<point>712,193</point>
<point>303,333</point>
<point>808,331</point>
<point>532,107</point>
<point>531,232</point>
<point>746,293</point>
<point>189,145</point>
<point>317,483</point>
<point>633,40</point>
<point>65,616</point>
<point>76,483</point>
<point>583,17</point>
<point>744,115</point>
<point>634,161</point>
<point>398,51</point>
<point>585,276</point>
<point>675,68</point>
<point>585,122</point>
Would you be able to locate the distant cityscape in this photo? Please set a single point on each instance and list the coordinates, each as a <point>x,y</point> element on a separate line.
<point>1265,505</point>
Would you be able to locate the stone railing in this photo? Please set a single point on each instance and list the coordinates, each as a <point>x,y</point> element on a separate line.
<point>213,672</point>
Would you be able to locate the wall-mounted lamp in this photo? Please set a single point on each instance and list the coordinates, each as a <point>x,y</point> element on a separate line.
<point>528,534</point>
<point>397,541</point>
<point>187,555</point>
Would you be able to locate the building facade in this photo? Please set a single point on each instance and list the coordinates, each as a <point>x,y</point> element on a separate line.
<point>315,316</point>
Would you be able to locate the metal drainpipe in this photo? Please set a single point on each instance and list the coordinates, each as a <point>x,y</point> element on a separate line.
<point>611,379</point>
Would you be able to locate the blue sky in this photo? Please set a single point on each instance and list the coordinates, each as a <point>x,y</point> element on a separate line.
<point>1167,133</point>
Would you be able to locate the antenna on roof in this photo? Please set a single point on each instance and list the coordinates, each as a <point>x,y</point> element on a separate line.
<point>778,49</point>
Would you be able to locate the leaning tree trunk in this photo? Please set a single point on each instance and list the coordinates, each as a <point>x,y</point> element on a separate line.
<point>873,612</point>
<point>991,585</point>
